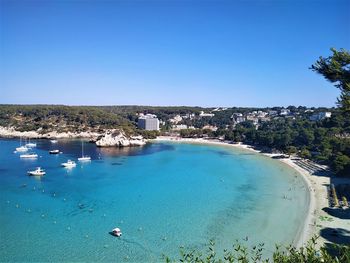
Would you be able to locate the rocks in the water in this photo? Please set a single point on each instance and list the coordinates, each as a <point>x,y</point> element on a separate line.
<point>119,139</point>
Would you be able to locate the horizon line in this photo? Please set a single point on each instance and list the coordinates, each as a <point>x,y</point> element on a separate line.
<point>157,106</point>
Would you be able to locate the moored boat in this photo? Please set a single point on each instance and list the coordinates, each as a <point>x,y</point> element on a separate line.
<point>83,157</point>
<point>53,141</point>
<point>37,172</point>
<point>30,144</point>
<point>116,232</point>
<point>22,149</point>
<point>29,155</point>
<point>54,151</point>
<point>69,164</point>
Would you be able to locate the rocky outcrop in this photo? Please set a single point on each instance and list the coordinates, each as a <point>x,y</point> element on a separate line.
<point>10,132</point>
<point>137,141</point>
<point>118,138</point>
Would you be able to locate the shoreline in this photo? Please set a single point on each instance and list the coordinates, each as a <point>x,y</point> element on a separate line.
<point>318,197</point>
<point>107,138</point>
<point>10,132</point>
<point>316,218</point>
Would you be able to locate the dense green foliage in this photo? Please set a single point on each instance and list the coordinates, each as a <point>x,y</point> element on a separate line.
<point>240,253</point>
<point>325,141</point>
<point>149,134</point>
<point>198,133</point>
<point>336,69</point>
<point>321,141</point>
<point>59,118</point>
<point>163,113</point>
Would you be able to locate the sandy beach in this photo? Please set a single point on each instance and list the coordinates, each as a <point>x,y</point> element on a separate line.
<point>316,219</point>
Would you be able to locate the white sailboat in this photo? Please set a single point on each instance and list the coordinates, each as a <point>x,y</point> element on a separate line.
<point>83,158</point>
<point>21,148</point>
<point>30,144</point>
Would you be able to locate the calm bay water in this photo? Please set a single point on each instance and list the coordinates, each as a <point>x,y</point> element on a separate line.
<point>162,196</point>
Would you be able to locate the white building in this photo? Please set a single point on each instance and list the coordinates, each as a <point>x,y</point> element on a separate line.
<point>210,127</point>
<point>175,119</point>
<point>272,112</point>
<point>219,109</point>
<point>189,116</point>
<point>284,112</point>
<point>237,118</point>
<point>261,114</point>
<point>148,122</point>
<point>179,127</point>
<point>253,119</point>
<point>236,115</point>
<point>320,116</point>
<point>202,114</point>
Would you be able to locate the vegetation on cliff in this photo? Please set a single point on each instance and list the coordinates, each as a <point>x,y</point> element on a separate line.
<point>46,118</point>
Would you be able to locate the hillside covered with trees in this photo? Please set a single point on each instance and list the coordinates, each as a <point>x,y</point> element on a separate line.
<point>326,141</point>
<point>59,118</point>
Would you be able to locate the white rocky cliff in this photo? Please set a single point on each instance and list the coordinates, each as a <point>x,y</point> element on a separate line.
<point>109,138</point>
<point>11,132</point>
<point>119,139</point>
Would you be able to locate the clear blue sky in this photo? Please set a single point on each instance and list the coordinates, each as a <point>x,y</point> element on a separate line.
<point>207,53</point>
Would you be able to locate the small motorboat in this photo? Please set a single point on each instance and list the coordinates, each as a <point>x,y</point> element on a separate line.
<point>22,149</point>
<point>69,164</point>
<point>29,155</point>
<point>84,159</point>
<point>37,172</point>
<point>54,151</point>
<point>53,141</point>
<point>116,232</point>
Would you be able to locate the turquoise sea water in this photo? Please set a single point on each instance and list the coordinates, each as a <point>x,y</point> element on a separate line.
<point>162,196</point>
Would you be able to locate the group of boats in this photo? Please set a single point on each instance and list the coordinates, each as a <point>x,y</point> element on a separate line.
<point>25,148</point>
<point>31,155</point>
<point>69,164</point>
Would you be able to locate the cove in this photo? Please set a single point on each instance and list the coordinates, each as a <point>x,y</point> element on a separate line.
<point>163,196</point>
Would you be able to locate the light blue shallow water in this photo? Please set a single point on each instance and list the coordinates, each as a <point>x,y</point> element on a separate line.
<point>162,196</point>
